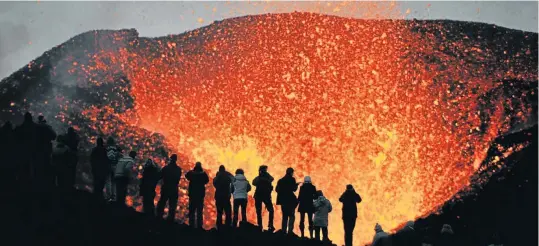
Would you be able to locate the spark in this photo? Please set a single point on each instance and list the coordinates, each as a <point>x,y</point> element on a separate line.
<point>369,103</point>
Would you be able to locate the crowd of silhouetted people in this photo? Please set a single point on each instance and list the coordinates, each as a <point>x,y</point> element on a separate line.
<point>29,157</point>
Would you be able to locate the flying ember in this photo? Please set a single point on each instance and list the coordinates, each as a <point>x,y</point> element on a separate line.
<point>395,108</point>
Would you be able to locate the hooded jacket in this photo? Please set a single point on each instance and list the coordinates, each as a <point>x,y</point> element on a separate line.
<point>100,162</point>
<point>241,187</point>
<point>124,168</point>
<point>222,183</point>
<point>263,185</point>
<point>60,156</point>
<point>285,189</point>
<point>349,200</point>
<point>446,236</point>
<point>322,209</point>
<point>150,177</point>
<point>114,155</point>
<point>381,238</point>
<point>307,193</point>
<point>171,175</point>
<point>44,135</point>
<point>197,183</point>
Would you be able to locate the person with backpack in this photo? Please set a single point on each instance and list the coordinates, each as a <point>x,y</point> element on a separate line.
<point>197,191</point>
<point>170,175</point>
<point>285,189</point>
<point>307,193</point>
<point>114,154</point>
<point>150,177</point>
<point>240,189</point>
<point>100,167</point>
<point>263,196</point>
<point>322,208</point>
<point>222,183</point>
<point>349,199</point>
<point>123,175</point>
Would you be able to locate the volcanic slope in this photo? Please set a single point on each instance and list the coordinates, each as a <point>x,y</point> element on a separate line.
<point>404,110</point>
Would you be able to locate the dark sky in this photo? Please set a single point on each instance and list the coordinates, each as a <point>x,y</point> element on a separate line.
<point>27,29</point>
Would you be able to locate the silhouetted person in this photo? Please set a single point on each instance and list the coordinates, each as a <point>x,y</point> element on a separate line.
<point>381,238</point>
<point>263,196</point>
<point>61,162</point>
<point>197,190</point>
<point>25,136</point>
<point>150,177</point>
<point>322,208</point>
<point>349,200</point>
<point>72,142</point>
<point>240,189</point>
<point>113,154</point>
<point>285,189</point>
<point>171,175</point>
<point>407,236</point>
<point>72,139</point>
<point>123,175</point>
<point>100,167</point>
<point>223,187</point>
<point>447,237</point>
<point>307,193</point>
<point>8,165</point>
<point>44,173</point>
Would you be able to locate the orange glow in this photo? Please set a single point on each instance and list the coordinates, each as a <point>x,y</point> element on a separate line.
<point>394,112</point>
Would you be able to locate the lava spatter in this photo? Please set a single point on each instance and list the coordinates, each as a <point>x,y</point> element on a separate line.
<point>404,111</point>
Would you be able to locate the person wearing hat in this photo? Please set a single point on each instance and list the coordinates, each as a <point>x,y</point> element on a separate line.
<point>322,208</point>
<point>307,193</point>
<point>197,191</point>
<point>263,195</point>
<point>286,186</point>
<point>381,238</point>
<point>349,199</point>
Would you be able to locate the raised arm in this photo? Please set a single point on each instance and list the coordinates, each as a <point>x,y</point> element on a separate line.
<point>342,199</point>
<point>358,198</point>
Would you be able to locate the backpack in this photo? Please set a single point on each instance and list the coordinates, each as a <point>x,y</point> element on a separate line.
<point>123,169</point>
<point>112,154</point>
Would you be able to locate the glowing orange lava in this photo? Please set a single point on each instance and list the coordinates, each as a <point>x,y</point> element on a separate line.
<point>393,111</point>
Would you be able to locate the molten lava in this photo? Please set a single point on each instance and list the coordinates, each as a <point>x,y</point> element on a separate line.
<point>396,112</point>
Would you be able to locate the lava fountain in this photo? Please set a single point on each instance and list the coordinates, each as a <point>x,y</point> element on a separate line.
<point>399,113</point>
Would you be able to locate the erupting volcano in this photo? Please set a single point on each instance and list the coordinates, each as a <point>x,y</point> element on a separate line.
<point>403,110</point>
